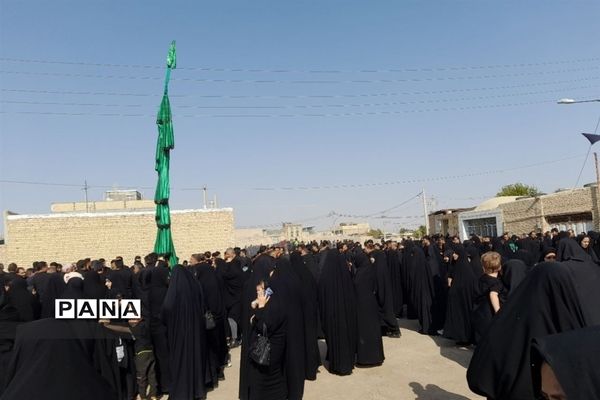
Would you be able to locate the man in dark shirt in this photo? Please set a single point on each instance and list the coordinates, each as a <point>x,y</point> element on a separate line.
<point>233,278</point>
<point>121,279</point>
<point>40,278</point>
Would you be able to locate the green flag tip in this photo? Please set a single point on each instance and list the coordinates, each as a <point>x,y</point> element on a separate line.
<point>172,56</point>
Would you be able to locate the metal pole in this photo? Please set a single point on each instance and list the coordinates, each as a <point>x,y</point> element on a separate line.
<point>597,184</point>
<point>425,212</point>
<point>204,195</point>
<point>85,188</point>
<point>597,170</point>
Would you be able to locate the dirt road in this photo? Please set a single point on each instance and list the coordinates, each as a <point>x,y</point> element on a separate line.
<point>416,367</point>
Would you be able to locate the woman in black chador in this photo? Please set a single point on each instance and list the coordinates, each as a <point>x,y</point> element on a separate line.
<point>423,290</point>
<point>80,348</point>
<point>17,306</point>
<point>213,303</point>
<point>567,364</point>
<point>385,296</point>
<point>310,306</point>
<point>369,350</point>
<point>158,278</point>
<point>265,316</point>
<point>183,314</point>
<point>439,277</point>
<point>461,281</point>
<point>337,306</point>
<point>553,298</point>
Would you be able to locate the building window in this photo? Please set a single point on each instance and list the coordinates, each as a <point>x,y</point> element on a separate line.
<point>481,227</point>
<point>582,222</point>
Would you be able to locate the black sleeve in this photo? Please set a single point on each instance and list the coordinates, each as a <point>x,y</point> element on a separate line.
<point>271,315</point>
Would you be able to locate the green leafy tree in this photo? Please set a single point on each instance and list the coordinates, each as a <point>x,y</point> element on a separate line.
<point>519,189</point>
<point>420,232</point>
<point>375,233</point>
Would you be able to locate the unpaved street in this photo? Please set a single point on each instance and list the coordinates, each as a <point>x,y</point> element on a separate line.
<point>416,367</point>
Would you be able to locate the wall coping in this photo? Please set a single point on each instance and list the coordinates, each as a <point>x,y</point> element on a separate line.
<point>15,217</point>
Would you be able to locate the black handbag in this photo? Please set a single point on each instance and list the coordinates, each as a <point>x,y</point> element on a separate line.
<point>260,349</point>
<point>210,321</point>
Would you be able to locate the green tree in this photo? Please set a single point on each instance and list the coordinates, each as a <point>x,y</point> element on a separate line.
<point>404,230</point>
<point>420,232</point>
<point>375,233</point>
<point>519,189</point>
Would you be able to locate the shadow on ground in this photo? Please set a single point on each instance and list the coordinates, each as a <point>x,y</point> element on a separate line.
<point>433,392</point>
<point>448,348</point>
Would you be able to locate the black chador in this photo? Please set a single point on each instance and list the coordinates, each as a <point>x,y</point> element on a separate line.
<point>337,305</point>
<point>183,314</point>
<point>385,297</point>
<point>553,298</point>
<point>369,349</point>
<point>395,272</point>
<point>310,300</point>
<point>423,291</point>
<point>460,297</point>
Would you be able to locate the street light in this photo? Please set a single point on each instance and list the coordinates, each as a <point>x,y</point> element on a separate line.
<point>572,101</point>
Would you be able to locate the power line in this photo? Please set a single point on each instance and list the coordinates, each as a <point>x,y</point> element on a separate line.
<point>373,215</point>
<point>297,106</point>
<point>277,81</point>
<point>69,92</point>
<point>56,103</point>
<point>316,96</point>
<point>310,71</point>
<point>418,180</point>
<point>326,187</point>
<point>291,115</point>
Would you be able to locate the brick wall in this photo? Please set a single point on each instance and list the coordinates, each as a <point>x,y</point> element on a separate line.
<point>70,237</point>
<point>525,215</point>
<point>3,258</point>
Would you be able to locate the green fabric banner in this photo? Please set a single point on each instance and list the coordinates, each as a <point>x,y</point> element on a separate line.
<point>164,144</point>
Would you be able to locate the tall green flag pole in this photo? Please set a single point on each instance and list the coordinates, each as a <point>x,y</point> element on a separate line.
<point>164,145</point>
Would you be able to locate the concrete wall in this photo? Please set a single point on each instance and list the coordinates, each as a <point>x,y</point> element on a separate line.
<point>66,237</point>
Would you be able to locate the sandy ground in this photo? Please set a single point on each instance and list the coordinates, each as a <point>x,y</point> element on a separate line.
<point>416,367</point>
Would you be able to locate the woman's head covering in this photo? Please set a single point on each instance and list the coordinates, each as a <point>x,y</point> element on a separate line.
<point>19,301</point>
<point>575,360</point>
<point>569,249</point>
<point>525,256</point>
<point>513,273</point>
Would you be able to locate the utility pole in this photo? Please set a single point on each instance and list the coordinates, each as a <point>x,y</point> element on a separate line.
<point>597,170</point>
<point>85,188</point>
<point>425,212</point>
<point>204,196</point>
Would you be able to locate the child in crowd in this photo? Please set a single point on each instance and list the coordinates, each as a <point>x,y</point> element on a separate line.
<point>144,355</point>
<point>489,294</point>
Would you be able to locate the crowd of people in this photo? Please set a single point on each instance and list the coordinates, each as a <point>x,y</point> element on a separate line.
<point>506,295</point>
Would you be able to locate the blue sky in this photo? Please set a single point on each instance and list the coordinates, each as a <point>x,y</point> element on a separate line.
<point>412,90</point>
